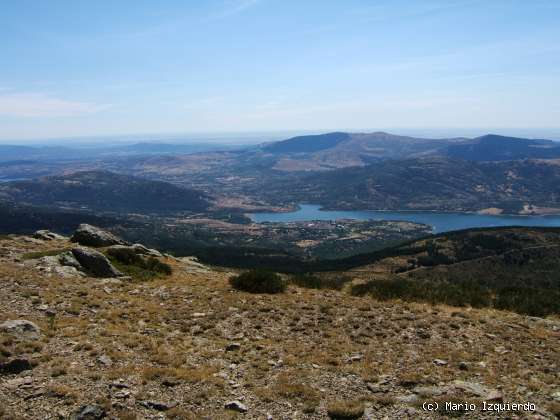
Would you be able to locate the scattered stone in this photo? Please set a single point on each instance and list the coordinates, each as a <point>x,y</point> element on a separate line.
<point>233,346</point>
<point>95,262</point>
<point>407,399</point>
<point>157,405</point>
<point>430,391</point>
<point>105,360</point>
<point>89,235</point>
<point>15,366</point>
<point>236,406</point>
<point>119,385</point>
<point>123,394</point>
<point>355,358</point>
<point>478,390</point>
<point>196,330</point>
<point>440,362</point>
<point>375,388</point>
<point>423,334</point>
<point>21,328</point>
<point>170,382</point>
<point>19,382</point>
<point>463,366</point>
<point>89,412</point>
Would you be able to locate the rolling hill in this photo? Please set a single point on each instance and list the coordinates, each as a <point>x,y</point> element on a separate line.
<point>494,148</point>
<point>104,191</point>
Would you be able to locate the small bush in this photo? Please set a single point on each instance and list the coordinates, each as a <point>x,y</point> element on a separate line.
<point>258,281</point>
<point>310,281</point>
<point>345,410</point>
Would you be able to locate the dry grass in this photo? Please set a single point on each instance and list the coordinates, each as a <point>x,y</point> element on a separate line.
<point>62,391</point>
<point>295,346</point>
<point>345,410</point>
<point>190,375</point>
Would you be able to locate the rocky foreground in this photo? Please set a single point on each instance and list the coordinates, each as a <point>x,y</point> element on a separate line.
<point>81,339</point>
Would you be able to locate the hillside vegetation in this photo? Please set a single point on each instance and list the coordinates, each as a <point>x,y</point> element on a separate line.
<point>427,184</point>
<point>507,268</point>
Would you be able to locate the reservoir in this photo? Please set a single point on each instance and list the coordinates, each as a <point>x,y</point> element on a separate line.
<point>440,221</point>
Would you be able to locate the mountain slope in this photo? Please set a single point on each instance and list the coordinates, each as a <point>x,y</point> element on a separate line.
<point>105,191</point>
<point>427,184</point>
<point>506,268</point>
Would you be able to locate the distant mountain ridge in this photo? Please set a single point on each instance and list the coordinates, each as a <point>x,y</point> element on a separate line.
<point>339,149</point>
<point>494,147</point>
<point>308,144</point>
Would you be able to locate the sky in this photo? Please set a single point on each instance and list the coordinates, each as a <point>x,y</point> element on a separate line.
<point>91,68</point>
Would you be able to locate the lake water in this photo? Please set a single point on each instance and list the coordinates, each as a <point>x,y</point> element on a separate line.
<point>440,222</point>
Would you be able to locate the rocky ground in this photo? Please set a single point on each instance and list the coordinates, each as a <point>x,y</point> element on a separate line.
<point>187,346</point>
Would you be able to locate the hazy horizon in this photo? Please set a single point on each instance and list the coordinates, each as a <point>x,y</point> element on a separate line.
<point>256,137</point>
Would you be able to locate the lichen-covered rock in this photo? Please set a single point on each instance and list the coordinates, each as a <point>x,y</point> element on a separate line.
<point>21,328</point>
<point>141,249</point>
<point>67,259</point>
<point>95,262</point>
<point>89,412</point>
<point>47,235</point>
<point>89,235</point>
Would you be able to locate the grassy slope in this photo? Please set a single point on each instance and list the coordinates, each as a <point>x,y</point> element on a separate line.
<point>166,339</point>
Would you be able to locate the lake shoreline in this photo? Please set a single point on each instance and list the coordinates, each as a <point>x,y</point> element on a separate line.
<point>297,208</point>
<point>440,221</point>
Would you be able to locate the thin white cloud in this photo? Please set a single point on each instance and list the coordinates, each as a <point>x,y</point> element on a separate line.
<point>31,105</point>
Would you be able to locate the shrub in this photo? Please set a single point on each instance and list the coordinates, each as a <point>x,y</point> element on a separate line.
<point>139,267</point>
<point>499,294</point>
<point>345,410</point>
<point>258,281</point>
<point>310,281</point>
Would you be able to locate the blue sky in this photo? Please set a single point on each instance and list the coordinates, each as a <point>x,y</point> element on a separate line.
<point>86,68</point>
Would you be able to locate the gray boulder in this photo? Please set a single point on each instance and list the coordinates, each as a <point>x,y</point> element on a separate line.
<point>236,406</point>
<point>67,259</point>
<point>21,328</point>
<point>47,235</point>
<point>89,412</point>
<point>141,249</point>
<point>132,254</point>
<point>93,236</point>
<point>95,262</point>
